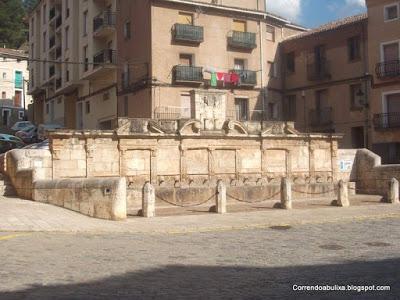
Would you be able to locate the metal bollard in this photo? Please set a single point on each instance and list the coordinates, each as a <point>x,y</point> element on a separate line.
<point>393,195</point>
<point>221,197</point>
<point>149,201</point>
<point>343,195</point>
<point>286,194</point>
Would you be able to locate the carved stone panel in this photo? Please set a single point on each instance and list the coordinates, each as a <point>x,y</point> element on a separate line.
<point>196,161</point>
<point>136,163</point>
<point>322,160</point>
<point>224,161</point>
<point>275,161</point>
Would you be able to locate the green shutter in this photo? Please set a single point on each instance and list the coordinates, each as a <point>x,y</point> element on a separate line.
<point>19,81</point>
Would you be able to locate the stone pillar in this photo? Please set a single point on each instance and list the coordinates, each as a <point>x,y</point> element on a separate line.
<point>221,197</point>
<point>343,194</point>
<point>149,201</point>
<point>393,195</point>
<point>286,193</point>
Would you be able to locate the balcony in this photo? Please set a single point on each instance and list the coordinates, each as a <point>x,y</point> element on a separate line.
<point>247,77</point>
<point>172,113</point>
<point>388,69</point>
<point>248,115</point>
<point>387,121</point>
<point>318,71</point>
<point>107,56</point>
<point>188,74</point>
<point>321,117</point>
<point>104,24</point>
<point>188,33</point>
<point>242,40</point>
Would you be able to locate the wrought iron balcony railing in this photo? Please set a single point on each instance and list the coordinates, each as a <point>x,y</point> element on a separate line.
<point>107,56</point>
<point>188,33</point>
<point>172,113</point>
<point>247,77</point>
<point>188,74</point>
<point>318,71</point>
<point>244,40</point>
<point>240,114</point>
<point>321,117</point>
<point>388,69</point>
<point>387,120</point>
<point>105,19</point>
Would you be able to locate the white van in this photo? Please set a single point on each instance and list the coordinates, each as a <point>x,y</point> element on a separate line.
<point>43,128</point>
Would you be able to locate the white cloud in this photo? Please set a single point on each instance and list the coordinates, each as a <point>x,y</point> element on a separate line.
<point>290,9</point>
<point>359,3</point>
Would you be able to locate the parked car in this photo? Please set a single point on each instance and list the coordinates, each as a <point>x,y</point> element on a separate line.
<point>41,145</point>
<point>9,142</point>
<point>21,125</point>
<point>28,135</point>
<point>43,128</point>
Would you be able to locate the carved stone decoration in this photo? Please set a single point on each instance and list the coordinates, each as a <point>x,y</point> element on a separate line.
<point>124,127</point>
<point>190,128</point>
<point>154,128</point>
<point>90,149</point>
<point>279,128</point>
<point>235,128</point>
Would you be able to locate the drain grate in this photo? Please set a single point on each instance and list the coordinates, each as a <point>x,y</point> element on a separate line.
<point>332,247</point>
<point>284,227</point>
<point>378,244</point>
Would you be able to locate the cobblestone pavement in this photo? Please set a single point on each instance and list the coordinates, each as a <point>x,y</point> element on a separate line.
<point>235,264</point>
<point>24,216</point>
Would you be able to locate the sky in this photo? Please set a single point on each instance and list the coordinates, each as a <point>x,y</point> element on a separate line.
<point>313,13</point>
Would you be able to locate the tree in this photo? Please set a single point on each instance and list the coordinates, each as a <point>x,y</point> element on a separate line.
<point>13,28</point>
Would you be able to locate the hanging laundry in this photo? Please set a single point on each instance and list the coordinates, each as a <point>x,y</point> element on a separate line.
<point>235,78</point>
<point>213,79</point>
<point>220,76</point>
<point>227,78</point>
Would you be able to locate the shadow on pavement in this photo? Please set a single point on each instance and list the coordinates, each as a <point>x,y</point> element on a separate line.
<point>197,282</point>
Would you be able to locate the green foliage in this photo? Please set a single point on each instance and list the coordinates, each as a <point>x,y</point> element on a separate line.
<point>13,28</point>
<point>29,4</point>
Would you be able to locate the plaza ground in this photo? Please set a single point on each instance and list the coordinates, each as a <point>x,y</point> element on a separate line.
<point>52,253</point>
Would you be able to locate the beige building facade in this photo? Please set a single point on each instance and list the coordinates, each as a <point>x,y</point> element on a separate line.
<point>197,60</point>
<point>384,65</point>
<point>73,63</point>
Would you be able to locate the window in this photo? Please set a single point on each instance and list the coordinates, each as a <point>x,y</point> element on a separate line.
<point>66,8</point>
<point>239,26</point>
<point>19,80</point>
<point>273,73</point>
<point>32,26</point>
<point>185,18</point>
<point>66,37</point>
<point>391,12</point>
<point>44,13</point>
<point>239,64</point>
<point>21,115</point>
<point>390,52</point>
<point>106,96</point>
<point>3,95</point>
<point>185,59</point>
<point>272,111</point>
<point>85,23</point>
<point>47,108</point>
<point>289,108</point>
<point>270,33</point>
<point>4,75</point>
<point>6,116</point>
<point>126,76</point>
<point>356,96</point>
<point>44,41</point>
<point>87,107</point>
<point>241,109</point>
<point>357,137</point>
<point>354,48</point>
<point>86,59</point>
<point>126,106</point>
<point>290,63</point>
<point>127,30</point>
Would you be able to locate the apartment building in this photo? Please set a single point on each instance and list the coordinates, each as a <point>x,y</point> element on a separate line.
<point>384,65</point>
<point>326,80</point>
<point>207,60</point>
<point>14,77</point>
<point>73,63</point>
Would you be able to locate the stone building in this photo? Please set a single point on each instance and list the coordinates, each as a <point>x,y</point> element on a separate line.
<point>326,78</point>
<point>73,70</point>
<point>14,77</point>
<point>384,66</point>
<point>196,59</point>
